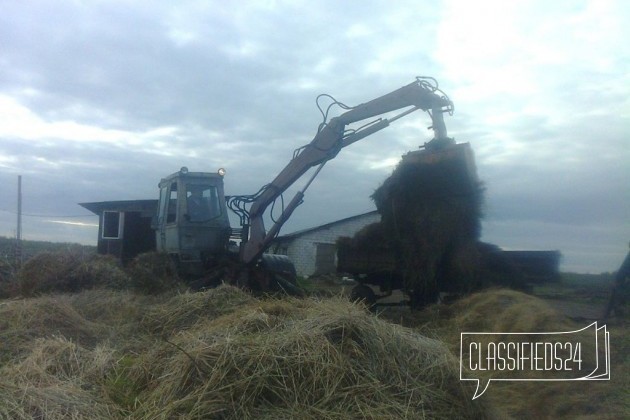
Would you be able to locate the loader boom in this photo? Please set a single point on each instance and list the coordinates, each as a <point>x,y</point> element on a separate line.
<point>329,140</point>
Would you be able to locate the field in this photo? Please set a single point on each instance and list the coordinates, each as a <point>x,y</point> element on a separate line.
<point>106,352</point>
<point>32,248</point>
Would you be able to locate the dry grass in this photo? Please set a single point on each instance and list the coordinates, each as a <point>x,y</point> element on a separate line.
<point>153,273</point>
<point>500,310</point>
<point>218,354</point>
<point>55,380</point>
<point>431,212</point>
<point>24,321</point>
<point>68,271</point>
<point>225,354</point>
<point>307,359</point>
<point>72,271</point>
<point>185,309</point>
<point>506,310</point>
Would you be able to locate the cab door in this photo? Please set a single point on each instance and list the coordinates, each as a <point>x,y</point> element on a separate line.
<point>167,235</point>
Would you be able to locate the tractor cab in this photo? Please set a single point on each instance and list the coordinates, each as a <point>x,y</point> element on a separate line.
<point>192,223</point>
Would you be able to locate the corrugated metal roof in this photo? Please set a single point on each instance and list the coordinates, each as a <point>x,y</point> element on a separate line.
<point>325,226</point>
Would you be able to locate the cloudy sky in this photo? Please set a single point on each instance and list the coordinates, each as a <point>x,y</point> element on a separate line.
<point>100,99</point>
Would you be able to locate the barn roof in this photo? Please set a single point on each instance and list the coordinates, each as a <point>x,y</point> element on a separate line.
<point>146,207</point>
<point>321,227</point>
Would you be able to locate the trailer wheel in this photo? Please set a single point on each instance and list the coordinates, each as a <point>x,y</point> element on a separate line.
<point>363,293</point>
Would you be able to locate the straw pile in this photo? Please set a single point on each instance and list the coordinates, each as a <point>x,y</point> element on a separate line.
<point>23,321</point>
<point>219,354</point>
<point>67,271</point>
<point>153,273</point>
<point>72,271</point>
<point>301,359</point>
<point>431,211</point>
<point>506,310</point>
<point>53,381</point>
<point>183,310</point>
<point>103,354</point>
<point>369,250</point>
<point>490,310</point>
<point>52,360</point>
<point>428,239</point>
<point>497,310</point>
<point>6,270</point>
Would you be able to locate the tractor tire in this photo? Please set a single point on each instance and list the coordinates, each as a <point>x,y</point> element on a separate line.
<point>288,285</point>
<point>363,293</point>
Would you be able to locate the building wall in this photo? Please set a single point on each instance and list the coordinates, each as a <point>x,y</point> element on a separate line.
<point>134,236</point>
<point>302,249</point>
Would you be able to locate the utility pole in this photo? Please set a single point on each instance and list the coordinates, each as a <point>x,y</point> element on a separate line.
<point>18,236</point>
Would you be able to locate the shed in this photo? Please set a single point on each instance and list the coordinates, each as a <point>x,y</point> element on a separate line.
<point>124,228</point>
<point>536,266</point>
<point>313,250</point>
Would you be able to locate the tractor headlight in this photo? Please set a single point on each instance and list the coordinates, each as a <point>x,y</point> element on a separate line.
<point>221,171</point>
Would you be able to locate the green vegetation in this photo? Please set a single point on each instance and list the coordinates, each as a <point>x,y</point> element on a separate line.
<point>120,387</point>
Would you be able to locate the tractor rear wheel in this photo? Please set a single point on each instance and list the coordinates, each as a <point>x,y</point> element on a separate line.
<point>363,293</point>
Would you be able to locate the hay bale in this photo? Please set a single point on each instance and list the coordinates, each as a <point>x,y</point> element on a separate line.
<point>302,359</point>
<point>431,208</point>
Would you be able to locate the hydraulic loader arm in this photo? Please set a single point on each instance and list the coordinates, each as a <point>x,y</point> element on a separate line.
<point>329,140</point>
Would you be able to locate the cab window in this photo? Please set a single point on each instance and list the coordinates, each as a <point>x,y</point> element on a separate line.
<point>171,214</point>
<point>202,203</point>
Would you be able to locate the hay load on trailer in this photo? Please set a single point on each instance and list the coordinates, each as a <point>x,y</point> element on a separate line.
<point>426,242</point>
<point>431,208</point>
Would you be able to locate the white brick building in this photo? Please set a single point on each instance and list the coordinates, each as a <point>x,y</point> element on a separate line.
<point>313,251</point>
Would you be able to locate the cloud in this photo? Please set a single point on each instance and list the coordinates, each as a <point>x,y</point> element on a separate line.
<point>73,223</point>
<point>98,101</point>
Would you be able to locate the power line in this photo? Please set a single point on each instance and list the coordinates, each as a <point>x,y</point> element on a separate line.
<point>50,215</point>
